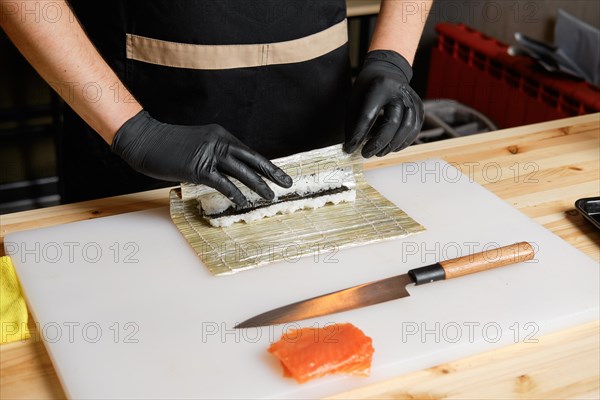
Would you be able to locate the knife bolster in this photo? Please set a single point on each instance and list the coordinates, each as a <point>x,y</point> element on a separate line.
<point>428,274</point>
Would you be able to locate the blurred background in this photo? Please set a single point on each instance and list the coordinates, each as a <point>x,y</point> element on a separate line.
<point>30,112</point>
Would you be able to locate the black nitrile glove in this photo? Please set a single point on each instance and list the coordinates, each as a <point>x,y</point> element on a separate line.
<point>382,84</point>
<point>196,154</point>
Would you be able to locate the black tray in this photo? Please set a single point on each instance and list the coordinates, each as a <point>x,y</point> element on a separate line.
<point>590,209</point>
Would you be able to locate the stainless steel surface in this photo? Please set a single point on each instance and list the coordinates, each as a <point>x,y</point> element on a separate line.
<point>343,300</point>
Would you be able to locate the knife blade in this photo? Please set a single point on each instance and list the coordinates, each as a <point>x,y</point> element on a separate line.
<point>392,288</point>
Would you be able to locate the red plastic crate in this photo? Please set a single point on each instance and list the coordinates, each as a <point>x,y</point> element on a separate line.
<point>476,70</point>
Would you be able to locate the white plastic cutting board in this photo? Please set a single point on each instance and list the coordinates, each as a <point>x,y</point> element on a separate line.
<point>160,326</point>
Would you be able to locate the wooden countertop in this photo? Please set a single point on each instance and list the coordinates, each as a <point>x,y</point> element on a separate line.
<point>540,169</point>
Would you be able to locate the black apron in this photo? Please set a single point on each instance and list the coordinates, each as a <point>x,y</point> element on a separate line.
<point>277,108</point>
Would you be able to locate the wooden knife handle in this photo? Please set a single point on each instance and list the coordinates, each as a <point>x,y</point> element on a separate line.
<point>492,258</point>
<point>469,264</point>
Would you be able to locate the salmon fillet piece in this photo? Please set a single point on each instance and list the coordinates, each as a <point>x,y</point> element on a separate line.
<point>310,353</point>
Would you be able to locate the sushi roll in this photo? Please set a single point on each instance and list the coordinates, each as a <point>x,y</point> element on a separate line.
<point>307,192</point>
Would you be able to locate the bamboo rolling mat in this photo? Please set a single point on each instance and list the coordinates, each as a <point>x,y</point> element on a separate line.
<point>286,237</point>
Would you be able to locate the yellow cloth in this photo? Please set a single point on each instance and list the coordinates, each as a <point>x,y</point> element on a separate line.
<point>13,310</point>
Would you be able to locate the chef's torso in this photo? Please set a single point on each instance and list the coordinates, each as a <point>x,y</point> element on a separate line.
<point>275,73</point>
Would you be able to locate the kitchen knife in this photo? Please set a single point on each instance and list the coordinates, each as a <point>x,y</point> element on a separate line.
<point>392,288</point>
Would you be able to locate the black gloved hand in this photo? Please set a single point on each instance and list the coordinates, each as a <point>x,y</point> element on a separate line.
<point>382,84</point>
<point>196,154</point>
